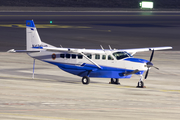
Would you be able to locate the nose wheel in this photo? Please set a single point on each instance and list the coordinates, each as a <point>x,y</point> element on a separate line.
<point>140,83</point>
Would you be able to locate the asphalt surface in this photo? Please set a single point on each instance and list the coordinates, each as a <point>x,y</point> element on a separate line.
<point>91,29</point>
<point>56,95</point>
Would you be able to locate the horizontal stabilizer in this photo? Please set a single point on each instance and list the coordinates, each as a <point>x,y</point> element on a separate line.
<point>22,51</point>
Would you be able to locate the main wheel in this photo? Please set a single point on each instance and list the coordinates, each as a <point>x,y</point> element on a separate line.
<point>140,84</point>
<point>85,80</point>
<point>115,81</point>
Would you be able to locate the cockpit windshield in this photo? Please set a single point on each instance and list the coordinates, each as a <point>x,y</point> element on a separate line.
<point>121,55</point>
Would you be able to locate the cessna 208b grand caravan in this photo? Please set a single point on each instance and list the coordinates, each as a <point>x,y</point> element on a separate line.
<point>86,63</point>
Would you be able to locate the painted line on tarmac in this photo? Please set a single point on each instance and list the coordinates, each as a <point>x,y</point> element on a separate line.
<point>36,116</point>
<point>170,91</point>
<point>44,26</point>
<point>53,26</point>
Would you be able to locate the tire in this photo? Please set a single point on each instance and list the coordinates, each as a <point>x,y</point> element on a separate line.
<point>140,84</point>
<point>117,81</point>
<point>85,80</point>
<point>113,81</point>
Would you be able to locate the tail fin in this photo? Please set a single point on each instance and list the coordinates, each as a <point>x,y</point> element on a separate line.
<point>32,37</point>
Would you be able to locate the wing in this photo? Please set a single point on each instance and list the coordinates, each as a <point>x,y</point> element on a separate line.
<point>133,51</point>
<point>73,50</point>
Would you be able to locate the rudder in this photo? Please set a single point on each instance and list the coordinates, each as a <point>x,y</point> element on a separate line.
<point>32,37</point>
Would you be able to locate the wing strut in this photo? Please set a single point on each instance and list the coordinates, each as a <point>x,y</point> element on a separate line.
<point>110,47</point>
<point>102,47</point>
<point>91,60</point>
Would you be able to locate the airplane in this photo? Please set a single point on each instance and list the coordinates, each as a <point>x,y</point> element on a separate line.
<point>101,63</point>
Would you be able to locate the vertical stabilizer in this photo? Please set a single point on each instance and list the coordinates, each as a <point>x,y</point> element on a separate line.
<point>32,37</point>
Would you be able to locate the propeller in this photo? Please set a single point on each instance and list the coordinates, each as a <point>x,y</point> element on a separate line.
<point>149,64</point>
<point>152,54</point>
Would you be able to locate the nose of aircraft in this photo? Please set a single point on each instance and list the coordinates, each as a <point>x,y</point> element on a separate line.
<point>149,64</point>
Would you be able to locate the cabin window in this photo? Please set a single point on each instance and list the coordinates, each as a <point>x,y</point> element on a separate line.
<point>103,57</point>
<point>97,56</point>
<point>80,56</point>
<point>110,57</point>
<point>62,55</point>
<point>89,56</point>
<point>68,55</point>
<point>120,55</point>
<point>73,56</point>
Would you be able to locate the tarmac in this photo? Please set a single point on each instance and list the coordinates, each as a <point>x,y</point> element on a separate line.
<point>57,95</point>
<point>121,30</point>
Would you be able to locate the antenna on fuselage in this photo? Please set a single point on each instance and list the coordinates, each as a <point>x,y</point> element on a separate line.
<point>61,46</point>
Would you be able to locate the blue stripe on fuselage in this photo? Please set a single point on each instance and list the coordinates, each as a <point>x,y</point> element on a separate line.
<point>136,60</point>
<point>106,72</point>
<point>38,47</point>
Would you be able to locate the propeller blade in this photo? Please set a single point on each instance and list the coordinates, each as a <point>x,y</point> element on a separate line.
<point>146,73</point>
<point>156,67</point>
<point>149,64</point>
<point>152,55</point>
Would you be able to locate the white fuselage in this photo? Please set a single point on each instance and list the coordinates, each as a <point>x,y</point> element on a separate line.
<point>77,61</point>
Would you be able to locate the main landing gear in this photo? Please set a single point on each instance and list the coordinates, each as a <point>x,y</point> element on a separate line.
<point>140,83</point>
<point>114,81</point>
<point>86,81</point>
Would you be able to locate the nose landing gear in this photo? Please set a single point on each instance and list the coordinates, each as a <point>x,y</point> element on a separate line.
<point>141,83</point>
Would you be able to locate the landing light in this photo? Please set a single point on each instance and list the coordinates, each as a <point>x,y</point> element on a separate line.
<point>146,4</point>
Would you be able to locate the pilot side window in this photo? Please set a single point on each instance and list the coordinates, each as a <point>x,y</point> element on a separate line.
<point>80,56</point>
<point>97,56</point>
<point>68,55</point>
<point>110,57</point>
<point>73,56</point>
<point>62,55</point>
<point>103,57</point>
<point>121,55</point>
